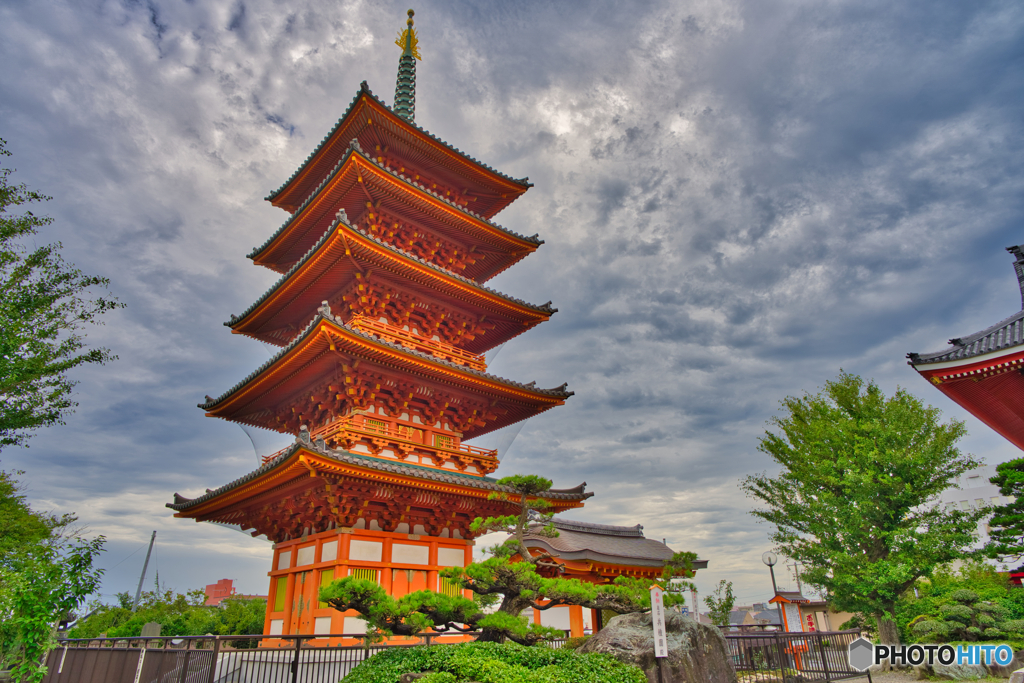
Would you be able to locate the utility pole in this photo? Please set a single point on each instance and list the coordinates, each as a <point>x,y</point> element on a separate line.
<point>796,570</point>
<point>145,566</point>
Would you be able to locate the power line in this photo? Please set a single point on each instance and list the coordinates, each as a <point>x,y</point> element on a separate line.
<point>136,550</point>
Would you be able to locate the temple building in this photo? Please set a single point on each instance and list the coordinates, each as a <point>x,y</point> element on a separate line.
<point>382,316</point>
<point>597,553</point>
<point>984,372</point>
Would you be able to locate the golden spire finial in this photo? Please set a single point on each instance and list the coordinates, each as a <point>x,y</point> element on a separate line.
<point>408,40</point>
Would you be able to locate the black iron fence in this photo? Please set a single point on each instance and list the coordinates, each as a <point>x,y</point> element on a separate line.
<point>222,659</point>
<point>772,657</point>
<point>777,657</point>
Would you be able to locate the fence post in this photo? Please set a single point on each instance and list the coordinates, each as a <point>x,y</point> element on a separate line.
<point>295,662</point>
<point>184,665</point>
<point>824,658</point>
<point>213,662</point>
<point>779,657</point>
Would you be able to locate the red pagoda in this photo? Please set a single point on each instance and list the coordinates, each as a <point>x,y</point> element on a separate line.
<point>984,372</point>
<point>383,317</point>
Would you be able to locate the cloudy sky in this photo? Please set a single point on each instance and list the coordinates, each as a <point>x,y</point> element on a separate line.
<point>738,198</point>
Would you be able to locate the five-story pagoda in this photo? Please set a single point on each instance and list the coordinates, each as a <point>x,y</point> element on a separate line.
<point>383,318</point>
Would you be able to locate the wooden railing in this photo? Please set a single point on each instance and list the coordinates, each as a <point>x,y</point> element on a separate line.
<point>366,425</point>
<point>437,349</point>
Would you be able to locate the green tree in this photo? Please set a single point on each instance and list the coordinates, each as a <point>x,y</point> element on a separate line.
<point>855,500</point>
<point>720,603</point>
<point>1006,540</point>
<point>45,304</point>
<point>46,572</point>
<point>518,577</point>
<point>179,614</point>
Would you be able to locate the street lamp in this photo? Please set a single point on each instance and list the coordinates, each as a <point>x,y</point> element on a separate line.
<point>770,559</point>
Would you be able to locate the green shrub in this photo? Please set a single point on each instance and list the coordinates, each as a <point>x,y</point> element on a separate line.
<point>961,613</point>
<point>438,677</point>
<point>494,663</point>
<point>574,642</point>
<point>965,596</point>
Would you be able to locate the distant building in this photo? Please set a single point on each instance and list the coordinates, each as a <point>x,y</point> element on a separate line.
<point>216,593</point>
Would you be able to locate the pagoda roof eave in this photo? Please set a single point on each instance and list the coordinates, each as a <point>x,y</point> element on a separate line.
<point>397,354</point>
<point>375,467</point>
<point>531,242</point>
<point>517,185</point>
<point>455,280</point>
<point>997,340</point>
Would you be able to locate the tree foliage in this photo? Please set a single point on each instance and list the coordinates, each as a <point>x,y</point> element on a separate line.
<point>513,574</point>
<point>720,603</point>
<point>971,603</point>
<point>179,614</point>
<point>855,500</point>
<point>46,572</point>
<point>1006,539</point>
<point>45,304</point>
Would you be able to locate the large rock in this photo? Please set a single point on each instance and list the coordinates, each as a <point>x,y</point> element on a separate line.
<point>697,653</point>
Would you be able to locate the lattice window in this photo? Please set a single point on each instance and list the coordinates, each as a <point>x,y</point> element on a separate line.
<point>365,574</point>
<point>379,426</point>
<point>326,576</point>
<point>448,587</point>
<point>442,441</point>
<point>281,594</point>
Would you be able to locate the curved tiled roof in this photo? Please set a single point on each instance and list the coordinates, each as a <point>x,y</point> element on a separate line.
<point>364,89</point>
<point>1003,335</point>
<point>544,308</point>
<point>557,392</point>
<point>1006,334</point>
<point>354,148</point>
<point>604,543</point>
<point>428,473</point>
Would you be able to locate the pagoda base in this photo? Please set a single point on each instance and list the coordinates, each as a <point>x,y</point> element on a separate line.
<point>400,562</point>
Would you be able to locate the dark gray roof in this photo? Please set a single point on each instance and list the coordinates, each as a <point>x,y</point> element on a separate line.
<point>323,314</point>
<point>768,616</point>
<point>364,88</point>
<point>419,471</point>
<point>1003,335</point>
<point>604,543</point>
<point>1006,334</point>
<point>354,149</point>
<point>544,308</point>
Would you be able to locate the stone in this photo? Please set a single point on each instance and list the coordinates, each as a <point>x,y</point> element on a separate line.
<point>697,653</point>
<point>151,629</point>
<point>1017,676</point>
<point>959,672</point>
<point>1008,670</point>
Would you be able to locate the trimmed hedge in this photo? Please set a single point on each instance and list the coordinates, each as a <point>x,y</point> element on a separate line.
<point>494,663</point>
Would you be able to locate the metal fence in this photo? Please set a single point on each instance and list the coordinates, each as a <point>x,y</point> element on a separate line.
<point>222,659</point>
<point>776,657</point>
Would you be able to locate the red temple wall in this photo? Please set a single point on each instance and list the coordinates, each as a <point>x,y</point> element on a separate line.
<point>402,563</point>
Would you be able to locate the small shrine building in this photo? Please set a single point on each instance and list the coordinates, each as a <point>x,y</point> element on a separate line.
<point>597,553</point>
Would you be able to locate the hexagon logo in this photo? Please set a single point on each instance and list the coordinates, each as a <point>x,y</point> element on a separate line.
<point>861,654</point>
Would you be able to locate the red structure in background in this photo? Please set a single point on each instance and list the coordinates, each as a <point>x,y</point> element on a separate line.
<point>982,372</point>
<point>216,593</point>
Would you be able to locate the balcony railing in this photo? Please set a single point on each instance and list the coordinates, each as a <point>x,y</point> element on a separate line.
<point>437,349</point>
<point>421,439</point>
